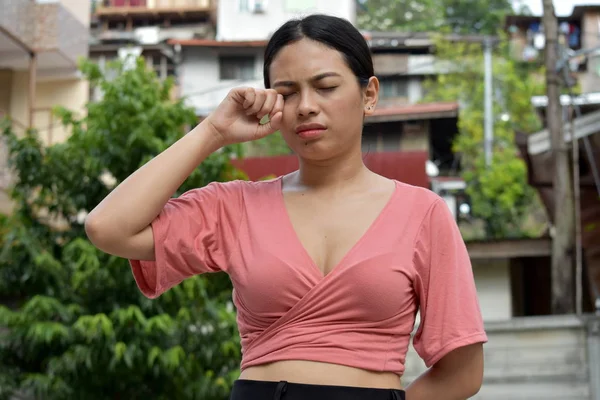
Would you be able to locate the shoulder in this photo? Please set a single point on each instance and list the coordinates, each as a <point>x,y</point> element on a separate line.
<point>230,190</point>
<point>421,201</point>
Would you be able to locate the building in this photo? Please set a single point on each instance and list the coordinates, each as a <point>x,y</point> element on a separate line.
<point>260,18</point>
<point>211,66</point>
<point>142,28</point>
<point>578,31</point>
<point>573,340</point>
<point>40,44</point>
<point>531,355</point>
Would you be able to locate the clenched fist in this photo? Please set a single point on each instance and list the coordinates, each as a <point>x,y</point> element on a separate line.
<point>237,118</point>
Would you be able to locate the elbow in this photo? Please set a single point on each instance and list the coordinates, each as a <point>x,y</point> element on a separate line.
<point>462,370</point>
<point>99,235</point>
<point>473,386</point>
<point>92,229</point>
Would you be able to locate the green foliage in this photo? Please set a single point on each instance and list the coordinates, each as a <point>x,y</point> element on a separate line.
<point>75,324</point>
<point>269,146</point>
<point>459,16</point>
<point>500,195</point>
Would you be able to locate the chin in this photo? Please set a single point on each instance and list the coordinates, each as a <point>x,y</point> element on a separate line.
<point>317,150</point>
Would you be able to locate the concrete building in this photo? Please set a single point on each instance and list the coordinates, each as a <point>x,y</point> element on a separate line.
<point>211,66</point>
<point>260,18</point>
<point>40,43</point>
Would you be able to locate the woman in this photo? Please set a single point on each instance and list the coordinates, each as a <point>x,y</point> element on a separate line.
<point>330,263</point>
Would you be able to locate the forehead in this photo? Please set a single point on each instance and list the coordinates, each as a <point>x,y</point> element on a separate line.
<point>306,58</point>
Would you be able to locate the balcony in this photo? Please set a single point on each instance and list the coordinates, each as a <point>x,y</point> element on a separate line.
<point>48,29</point>
<point>15,24</point>
<point>117,9</point>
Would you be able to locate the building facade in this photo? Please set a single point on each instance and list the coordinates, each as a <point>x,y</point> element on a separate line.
<point>40,44</point>
<point>260,18</point>
<point>578,31</point>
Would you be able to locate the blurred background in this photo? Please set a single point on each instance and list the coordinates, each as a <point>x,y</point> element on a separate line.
<point>474,105</point>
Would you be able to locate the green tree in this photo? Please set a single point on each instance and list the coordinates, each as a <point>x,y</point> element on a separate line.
<point>500,195</point>
<point>459,16</point>
<point>272,145</point>
<point>73,324</point>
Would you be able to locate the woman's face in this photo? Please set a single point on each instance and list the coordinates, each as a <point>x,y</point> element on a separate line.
<point>324,103</point>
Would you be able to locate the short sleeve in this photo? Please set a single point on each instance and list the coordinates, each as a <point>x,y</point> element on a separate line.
<point>193,234</point>
<point>450,315</point>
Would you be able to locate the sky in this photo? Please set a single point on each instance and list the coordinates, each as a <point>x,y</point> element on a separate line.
<point>562,7</point>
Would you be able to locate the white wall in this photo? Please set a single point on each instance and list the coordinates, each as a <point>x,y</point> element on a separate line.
<point>492,279</point>
<point>233,24</point>
<point>81,9</point>
<point>415,90</point>
<point>199,74</point>
<point>534,358</point>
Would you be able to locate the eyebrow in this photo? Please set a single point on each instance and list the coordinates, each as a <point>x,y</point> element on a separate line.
<point>315,78</point>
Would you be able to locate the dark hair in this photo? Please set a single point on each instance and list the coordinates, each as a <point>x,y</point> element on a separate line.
<point>337,33</point>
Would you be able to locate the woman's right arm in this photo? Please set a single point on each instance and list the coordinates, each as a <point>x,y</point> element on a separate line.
<point>121,223</point>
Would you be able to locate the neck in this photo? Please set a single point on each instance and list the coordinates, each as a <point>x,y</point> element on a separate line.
<point>331,173</point>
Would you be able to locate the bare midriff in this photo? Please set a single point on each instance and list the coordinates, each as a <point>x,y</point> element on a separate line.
<point>319,373</point>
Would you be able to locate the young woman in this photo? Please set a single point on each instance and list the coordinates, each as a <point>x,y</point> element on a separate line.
<point>330,263</point>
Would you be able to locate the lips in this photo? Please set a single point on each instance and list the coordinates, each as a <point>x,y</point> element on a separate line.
<point>310,131</point>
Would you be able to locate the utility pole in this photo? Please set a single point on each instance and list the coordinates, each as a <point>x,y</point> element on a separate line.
<point>488,141</point>
<point>564,220</point>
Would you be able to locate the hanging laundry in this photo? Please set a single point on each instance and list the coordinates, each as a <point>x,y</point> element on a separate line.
<point>574,37</point>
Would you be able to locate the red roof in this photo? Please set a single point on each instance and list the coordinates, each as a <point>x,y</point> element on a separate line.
<point>226,43</point>
<point>407,167</point>
<point>218,43</point>
<point>425,108</point>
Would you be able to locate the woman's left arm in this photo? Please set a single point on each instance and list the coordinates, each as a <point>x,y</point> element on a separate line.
<point>457,376</point>
<point>451,332</point>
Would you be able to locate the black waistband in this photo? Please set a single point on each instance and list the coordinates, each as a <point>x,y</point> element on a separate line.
<point>244,389</point>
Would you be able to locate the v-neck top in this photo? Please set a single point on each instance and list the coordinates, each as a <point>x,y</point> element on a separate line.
<point>411,259</point>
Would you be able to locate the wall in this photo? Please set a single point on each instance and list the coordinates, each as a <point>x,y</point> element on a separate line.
<point>260,26</point>
<point>71,93</point>
<point>590,81</point>
<point>5,90</point>
<point>199,76</point>
<point>534,358</point>
<point>81,9</point>
<point>492,278</point>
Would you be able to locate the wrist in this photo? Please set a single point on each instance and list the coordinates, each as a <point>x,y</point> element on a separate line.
<point>210,137</point>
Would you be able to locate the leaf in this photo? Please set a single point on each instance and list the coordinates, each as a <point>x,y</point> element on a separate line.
<point>79,326</point>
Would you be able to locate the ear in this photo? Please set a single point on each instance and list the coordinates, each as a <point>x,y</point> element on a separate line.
<point>371,95</point>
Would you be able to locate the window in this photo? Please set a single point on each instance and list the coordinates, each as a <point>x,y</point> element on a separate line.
<point>244,5</point>
<point>236,67</point>
<point>252,6</point>
<point>300,5</point>
<point>394,88</point>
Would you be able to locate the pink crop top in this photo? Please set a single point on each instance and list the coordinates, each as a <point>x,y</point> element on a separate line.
<point>361,314</point>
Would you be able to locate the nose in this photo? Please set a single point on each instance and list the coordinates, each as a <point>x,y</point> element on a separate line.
<point>308,105</point>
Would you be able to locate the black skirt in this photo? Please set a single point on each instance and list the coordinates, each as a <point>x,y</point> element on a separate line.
<point>244,389</point>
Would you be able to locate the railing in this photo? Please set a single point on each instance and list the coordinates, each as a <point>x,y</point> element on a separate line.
<point>118,5</point>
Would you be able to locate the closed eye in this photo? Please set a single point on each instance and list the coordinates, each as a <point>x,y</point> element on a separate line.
<point>328,89</point>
